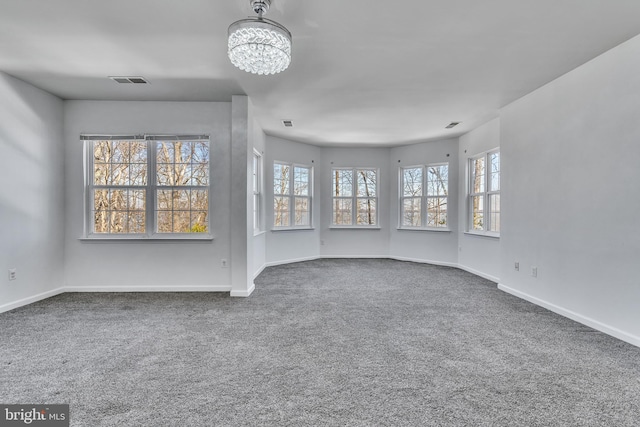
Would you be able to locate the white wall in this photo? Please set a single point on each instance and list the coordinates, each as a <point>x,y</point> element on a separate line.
<point>354,242</point>
<point>571,193</point>
<point>438,247</point>
<point>31,196</point>
<point>259,240</point>
<point>147,265</point>
<point>285,246</point>
<point>477,254</point>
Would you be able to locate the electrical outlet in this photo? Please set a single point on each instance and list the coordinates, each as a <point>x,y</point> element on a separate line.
<point>517,266</point>
<point>223,263</point>
<point>534,271</point>
<point>12,274</point>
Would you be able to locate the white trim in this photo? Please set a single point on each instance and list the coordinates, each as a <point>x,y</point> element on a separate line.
<point>244,294</point>
<point>260,270</point>
<point>424,261</point>
<point>147,289</point>
<point>609,330</point>
<point>405,228</point>
<point>30,300</point>
<point>355,256</point>
<point>288,261</point>
<point>355,227</point>
<point>479,273</point>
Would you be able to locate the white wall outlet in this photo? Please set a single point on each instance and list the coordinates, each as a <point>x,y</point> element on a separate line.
<point>534,271</point>
<point>516,266</point>
<point>224,263</point>
<point>13,275</point>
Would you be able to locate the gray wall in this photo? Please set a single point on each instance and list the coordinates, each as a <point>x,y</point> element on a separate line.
<point>571,193</point>
<point>148,265</point>
<point>32,193</point>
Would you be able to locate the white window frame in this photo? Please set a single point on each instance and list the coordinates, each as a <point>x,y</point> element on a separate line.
<point>257,191</point>
<point>291,197</point>
<point>150,189</point>
<point>485,195</point>
<point>354,198</point>
<point>424,199</point>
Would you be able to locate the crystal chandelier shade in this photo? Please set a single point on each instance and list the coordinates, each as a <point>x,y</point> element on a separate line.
<point>258,45</point>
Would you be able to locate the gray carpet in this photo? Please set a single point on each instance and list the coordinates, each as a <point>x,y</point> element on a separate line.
<point>328,342</point>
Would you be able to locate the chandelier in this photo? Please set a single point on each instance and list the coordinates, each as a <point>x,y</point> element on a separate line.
<point>259,45</point>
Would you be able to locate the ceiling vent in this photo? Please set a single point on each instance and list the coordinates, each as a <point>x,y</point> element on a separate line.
<point>452,125</point>
<point>287,123</point>
<point>128,79</point>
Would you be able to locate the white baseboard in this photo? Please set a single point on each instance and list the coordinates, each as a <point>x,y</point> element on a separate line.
<point>147,289</point>
<point>355,256</point>
<point>244,294</point>
<point>424,261</point>
<point>478,273</point>
<point>289,261</point>
<point>609,330</point>
<point>30,300</point>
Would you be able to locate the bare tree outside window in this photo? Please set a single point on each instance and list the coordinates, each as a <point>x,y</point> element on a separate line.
<point>291,195</point>
<point>424,196</point>
<point>121,184</point>
<point>484,193</point>
<point>354,188</point>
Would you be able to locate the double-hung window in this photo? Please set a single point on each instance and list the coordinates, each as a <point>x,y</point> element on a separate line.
<point>424,196</point>
<point>484,193</point>
<point>147,186</point>
<point>292,192</point>
<point>354,197</point>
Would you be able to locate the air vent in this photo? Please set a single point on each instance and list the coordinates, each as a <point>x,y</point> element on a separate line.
<point>127,79</point>
<point>287,123</point>
<point>452,124</point>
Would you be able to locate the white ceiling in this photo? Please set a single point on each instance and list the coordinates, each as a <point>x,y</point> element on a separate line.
<point>364,72</point>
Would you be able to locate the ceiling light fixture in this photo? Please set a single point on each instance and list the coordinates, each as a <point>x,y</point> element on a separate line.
<point>259,45</point>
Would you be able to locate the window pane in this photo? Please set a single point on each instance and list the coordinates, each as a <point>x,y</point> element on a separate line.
<point>366,212</point>
<point>101,221</point>
<point>165,221</point>
<point>281,178</point>
<point>477,175</point>
<point>181,199</point>
<point>412,182</point>
<point>118,200</point>
<point>136,222</point>
<point>120,153</point>
<point>101,174</point>
<point>281,211</point>
<point>200,174</point>
<point>136,200</point>
<point>181,174</point>
<point>119,174</point>
<point>102,152</point>
<point>198,222</point>
<point>477,213</point>
<point>117,222</point>
<point>199,200</point>
<point>181,222</point>
<point>411,212</point>
<point>302,211</point>
<point>438,180</point>
<point>138,152</point>
<point>342,211</point>
<point>300,181</point>
<point>164,199</point>
<point>437,212</point>
<point>494,178</point>
<point>138,174</point>
<point>494,213</point>
<point>366,183</point>
<point>342,183</point>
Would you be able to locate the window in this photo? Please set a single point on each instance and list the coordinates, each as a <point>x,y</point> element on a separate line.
<point>354,197</point>
<point>147,186</point>
<point>257,185</point>
<point>484,193</point>
<point>292,193</point>
<point>420,208</point>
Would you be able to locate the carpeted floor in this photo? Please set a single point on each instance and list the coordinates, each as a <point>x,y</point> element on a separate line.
<point>319,343</point>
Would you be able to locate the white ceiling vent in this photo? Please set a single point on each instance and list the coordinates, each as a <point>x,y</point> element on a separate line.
<point>129,79</point>
<point>452,124</point>
<point>287,123</point>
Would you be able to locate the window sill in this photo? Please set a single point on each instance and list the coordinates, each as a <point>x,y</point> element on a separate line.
<point>437,230</point>
<point>354,227</point>
<point>276,230</point>
<point>489,235</point>
<point>145,238</point>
